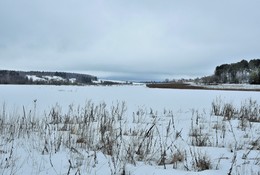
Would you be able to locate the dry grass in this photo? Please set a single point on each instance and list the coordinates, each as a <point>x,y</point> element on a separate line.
<point>84,131</point>
<point>173,86</point>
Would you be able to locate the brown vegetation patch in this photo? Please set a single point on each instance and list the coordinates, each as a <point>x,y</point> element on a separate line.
<point>173,86</point>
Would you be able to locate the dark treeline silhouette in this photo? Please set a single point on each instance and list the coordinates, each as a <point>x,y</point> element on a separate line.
<point>240,72</point>
<point>56,78</point>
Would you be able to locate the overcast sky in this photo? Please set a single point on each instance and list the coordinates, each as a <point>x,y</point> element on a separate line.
<point>134,39</point>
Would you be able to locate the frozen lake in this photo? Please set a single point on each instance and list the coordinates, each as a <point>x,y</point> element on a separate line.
<point>17,96</point>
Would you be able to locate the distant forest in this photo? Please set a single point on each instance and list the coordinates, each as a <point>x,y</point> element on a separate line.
<point>238,73</point>
<point>56,78</point>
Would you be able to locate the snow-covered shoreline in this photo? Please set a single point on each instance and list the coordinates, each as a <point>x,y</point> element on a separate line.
<point>229,86</point>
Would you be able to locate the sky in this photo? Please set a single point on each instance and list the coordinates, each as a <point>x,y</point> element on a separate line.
<point>128,39</point>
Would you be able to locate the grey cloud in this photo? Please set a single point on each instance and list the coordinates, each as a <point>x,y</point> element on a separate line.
<point>156,38</point>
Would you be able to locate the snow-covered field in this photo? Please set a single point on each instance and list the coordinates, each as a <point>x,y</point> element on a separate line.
<point>128,130</point>
<point>135,96</point>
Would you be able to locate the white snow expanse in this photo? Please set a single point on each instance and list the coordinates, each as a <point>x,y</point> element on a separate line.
<point>130,130</point>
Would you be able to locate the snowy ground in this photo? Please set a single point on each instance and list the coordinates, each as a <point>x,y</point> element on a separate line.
<point>229,86</point>
<point>128,129</point>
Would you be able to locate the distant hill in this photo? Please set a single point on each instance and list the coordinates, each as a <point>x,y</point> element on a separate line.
<point>247,72</point>
<point>52,78</point>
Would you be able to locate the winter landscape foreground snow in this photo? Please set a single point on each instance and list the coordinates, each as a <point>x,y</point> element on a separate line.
<point>130,130</point>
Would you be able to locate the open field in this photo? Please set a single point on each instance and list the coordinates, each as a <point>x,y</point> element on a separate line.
<point>132,130</point>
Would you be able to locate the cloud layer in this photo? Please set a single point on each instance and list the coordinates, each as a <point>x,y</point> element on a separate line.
<point>149,39</point>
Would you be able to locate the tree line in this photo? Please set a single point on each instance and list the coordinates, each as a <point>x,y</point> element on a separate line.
<point>241,72</point>
<point>23,77</point>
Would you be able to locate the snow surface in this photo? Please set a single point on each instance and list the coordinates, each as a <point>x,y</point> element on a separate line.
<point>46,78</point>
<point>35,78</point>
<point>229,86</point>
<point>56,78</point>
<point>15,97</point>
<point>184,104</point>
